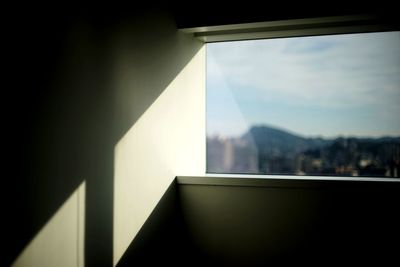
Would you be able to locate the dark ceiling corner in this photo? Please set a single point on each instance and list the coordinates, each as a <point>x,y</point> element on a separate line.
<point>209,14</point>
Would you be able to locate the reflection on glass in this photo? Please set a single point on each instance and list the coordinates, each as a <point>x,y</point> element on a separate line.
<point>322,105</point>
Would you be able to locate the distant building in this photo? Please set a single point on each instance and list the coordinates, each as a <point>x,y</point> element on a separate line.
<point>231,155</point>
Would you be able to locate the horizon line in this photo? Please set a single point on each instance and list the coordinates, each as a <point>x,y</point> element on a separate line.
<point>302,135</point>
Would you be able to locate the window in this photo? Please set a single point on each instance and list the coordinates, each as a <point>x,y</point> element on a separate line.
<point>317,105</point>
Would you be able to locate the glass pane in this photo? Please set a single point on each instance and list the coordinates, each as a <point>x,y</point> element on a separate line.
<point>321,105</point>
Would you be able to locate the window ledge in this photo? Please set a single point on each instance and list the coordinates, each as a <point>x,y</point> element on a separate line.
<point>277,180</point>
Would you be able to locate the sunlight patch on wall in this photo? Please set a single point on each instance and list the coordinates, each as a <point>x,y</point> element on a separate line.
<point>61,241</point>
<point>168,140</point>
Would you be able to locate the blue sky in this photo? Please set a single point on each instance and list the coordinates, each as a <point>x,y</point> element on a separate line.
<point>346,85</point>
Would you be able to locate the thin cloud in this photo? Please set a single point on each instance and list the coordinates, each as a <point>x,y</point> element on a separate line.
<point>327,72</point>
<point>351,66</point>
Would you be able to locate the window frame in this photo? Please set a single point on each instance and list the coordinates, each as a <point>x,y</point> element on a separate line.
<point>293,28</point>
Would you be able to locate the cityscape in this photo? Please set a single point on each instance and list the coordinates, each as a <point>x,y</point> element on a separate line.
<point>268,150</point>
<point>315,105</point>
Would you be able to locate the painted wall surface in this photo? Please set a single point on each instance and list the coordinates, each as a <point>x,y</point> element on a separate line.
<point>61,241</point>
<point>167,138</point>
<point>58,136</point>
<point>86,85</point>
<point>328,223</point>
<point>112,99</point>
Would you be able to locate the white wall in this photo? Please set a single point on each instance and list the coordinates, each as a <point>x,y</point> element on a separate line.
<point>168,138</point>
<point>61,241</point>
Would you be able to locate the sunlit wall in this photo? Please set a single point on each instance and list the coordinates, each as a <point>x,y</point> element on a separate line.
<point>61,241</point>
<point>168,139</point>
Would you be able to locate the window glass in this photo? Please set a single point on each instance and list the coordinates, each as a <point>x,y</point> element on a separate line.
<point>320,105</point>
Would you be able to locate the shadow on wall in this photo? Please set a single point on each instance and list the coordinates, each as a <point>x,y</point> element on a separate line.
<point>78,82</point>
<point>299,223</point>
<point>148,54</point>
<point>168,138</point>
<point>61,241</point>
<point>49,122</point>
<point>291,222</point>
<point>161,235</point>
<point>164,237</point>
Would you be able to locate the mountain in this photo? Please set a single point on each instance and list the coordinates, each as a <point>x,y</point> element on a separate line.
<point>278,142</point>
<point>269,150</point>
